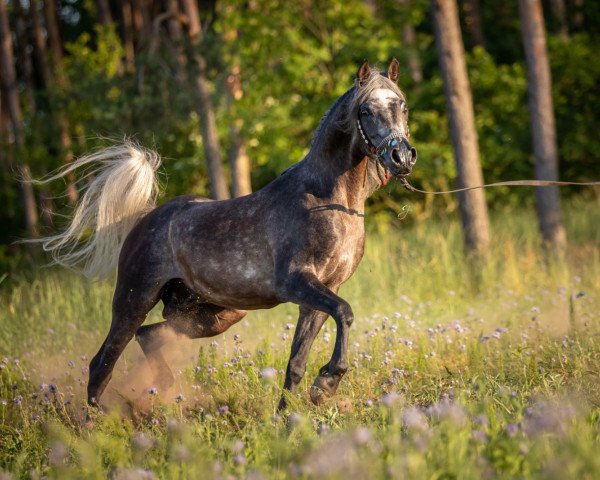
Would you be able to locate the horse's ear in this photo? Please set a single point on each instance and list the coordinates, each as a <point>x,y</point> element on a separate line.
<point>363,73</point>
<point>394,70</point>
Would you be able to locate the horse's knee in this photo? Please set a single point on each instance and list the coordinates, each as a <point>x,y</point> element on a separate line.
<point>344,314</point>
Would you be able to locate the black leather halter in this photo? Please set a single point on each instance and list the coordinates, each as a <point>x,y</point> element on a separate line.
<point>377,152</point>
<point>390,142</point>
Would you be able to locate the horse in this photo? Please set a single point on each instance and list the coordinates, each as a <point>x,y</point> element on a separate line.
<point>296,240</point>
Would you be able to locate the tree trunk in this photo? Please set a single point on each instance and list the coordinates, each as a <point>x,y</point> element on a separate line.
<point>39,43</point>
<point>127,29</point>
<point>9,85</point>
<point>176,33</point>
<point>62,82</point>
<point>577,14</point>
<point>241,183</point>
<point>28,200</point>
<point>104,14</point>
<point>474,22</point>
<point>560,13</point>
<point>414,63</point>
<point>210,138</point>
<point>541,112</point>
<point>457,89</point>
<point>54,40</point>
<point>142,22</point>
<point>5,129</point>
<point>24,55</point>
<point>240,163</point>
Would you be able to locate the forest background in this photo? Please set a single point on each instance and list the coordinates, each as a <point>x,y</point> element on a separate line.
<point>91,73</point>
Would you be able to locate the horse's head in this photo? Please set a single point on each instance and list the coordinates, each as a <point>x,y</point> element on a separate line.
<point>381,119</point>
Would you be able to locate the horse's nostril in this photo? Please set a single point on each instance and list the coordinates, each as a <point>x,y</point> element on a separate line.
<point>396,156</point>
<point>413,155</point>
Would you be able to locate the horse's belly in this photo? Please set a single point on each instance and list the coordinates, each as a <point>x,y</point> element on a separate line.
<point>238,280</point>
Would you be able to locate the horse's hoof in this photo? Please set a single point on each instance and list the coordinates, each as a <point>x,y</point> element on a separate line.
<point>318,396</point>
<point>323,388</point>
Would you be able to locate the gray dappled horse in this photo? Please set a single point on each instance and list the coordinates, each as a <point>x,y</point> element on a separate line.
<point>296,240</point>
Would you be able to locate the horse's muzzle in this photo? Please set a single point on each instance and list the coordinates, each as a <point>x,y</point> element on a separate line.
<point>400,157</point>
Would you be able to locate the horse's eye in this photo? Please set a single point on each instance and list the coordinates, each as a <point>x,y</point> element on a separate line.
<point>364,111</point>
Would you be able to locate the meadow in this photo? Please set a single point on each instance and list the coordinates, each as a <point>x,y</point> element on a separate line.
<point>457,372</point>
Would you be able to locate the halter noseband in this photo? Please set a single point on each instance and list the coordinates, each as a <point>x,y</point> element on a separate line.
<point>378,151</point>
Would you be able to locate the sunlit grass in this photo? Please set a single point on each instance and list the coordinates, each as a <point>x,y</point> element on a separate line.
<point>456,372</point>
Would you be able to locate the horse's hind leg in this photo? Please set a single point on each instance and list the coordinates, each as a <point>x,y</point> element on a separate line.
<point>205,320</point>
<point>129,312</point>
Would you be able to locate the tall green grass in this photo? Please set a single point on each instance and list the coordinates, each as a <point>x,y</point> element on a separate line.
<point>457,371</point>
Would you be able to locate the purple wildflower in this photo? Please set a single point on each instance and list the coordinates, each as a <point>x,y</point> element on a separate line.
<point>223,410</point>
<point>512,429</point>
<point>268,373</point>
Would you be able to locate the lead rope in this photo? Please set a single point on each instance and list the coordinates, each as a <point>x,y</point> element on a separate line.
<point>510,183</point>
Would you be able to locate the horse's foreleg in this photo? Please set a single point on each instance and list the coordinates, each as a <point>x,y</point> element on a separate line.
<point>204,321</point>
<point>306,290</point>
<point>309,324</point>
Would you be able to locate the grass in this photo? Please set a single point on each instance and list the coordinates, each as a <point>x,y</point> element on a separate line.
<point>456,373</point>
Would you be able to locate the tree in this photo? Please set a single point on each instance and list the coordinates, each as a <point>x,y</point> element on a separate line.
<point>238,155</point>
<point>104,13</point>
<point>239,160</point>
<point>39,44</point>
<point>127,30</point>
<point>560,13</point>
<point>541,113</point>
<point>24,54</point>
<point>409,38</point>
<point>206,112</point>
<point>60,82</point>
<point>457,90</point>
<point>474,22</point>
<point>11,95</point>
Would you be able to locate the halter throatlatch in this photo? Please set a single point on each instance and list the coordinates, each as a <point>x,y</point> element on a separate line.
<point>388,143</point>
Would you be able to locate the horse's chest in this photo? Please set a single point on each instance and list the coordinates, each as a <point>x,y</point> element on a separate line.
<point>341,256</point>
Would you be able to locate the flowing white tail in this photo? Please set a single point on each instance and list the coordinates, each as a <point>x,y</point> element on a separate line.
<point>122,189</point>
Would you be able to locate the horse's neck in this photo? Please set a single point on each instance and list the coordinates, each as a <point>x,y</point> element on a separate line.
<point>336,165</point>
<point>342,176</point>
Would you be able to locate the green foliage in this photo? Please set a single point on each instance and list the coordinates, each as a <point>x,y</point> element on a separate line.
<point>575,94</point>
<point>295,59</point>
